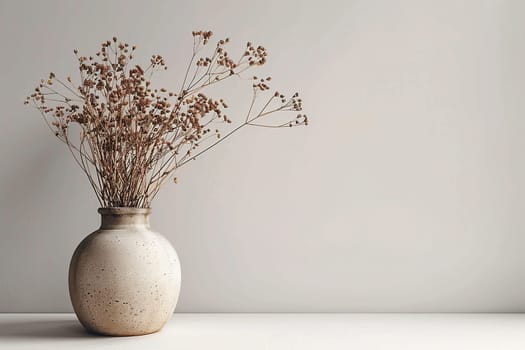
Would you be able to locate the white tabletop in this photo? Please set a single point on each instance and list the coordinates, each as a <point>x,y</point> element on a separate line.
<point>278,331</point>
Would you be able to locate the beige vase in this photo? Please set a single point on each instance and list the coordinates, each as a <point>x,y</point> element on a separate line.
<point>124,279</point>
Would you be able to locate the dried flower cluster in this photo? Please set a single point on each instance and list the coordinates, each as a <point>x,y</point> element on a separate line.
<point>128,136</point>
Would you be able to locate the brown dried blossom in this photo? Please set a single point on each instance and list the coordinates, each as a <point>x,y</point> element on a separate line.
<point>129,137</point>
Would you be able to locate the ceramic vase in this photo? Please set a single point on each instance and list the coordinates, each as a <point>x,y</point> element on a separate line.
<point>124,278</point>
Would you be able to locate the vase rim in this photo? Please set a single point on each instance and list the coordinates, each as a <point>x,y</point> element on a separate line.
<point>124,211</point>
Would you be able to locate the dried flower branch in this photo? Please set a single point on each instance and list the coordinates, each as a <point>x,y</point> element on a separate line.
<point>129,137</point>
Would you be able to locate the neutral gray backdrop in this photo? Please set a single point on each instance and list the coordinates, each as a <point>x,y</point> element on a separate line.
<point>405,193</point>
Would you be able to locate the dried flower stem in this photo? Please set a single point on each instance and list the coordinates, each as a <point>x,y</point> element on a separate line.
<point>132,137</point>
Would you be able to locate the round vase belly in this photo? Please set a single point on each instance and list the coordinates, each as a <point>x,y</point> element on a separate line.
<point>124,279</point>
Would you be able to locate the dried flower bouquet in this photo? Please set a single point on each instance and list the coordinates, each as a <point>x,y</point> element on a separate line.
<point>129,137</point>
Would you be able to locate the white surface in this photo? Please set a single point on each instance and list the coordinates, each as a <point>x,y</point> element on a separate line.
<point>404,194</point>
<point>279,331</point>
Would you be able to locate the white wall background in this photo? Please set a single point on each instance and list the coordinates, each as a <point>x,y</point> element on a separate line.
<point>405,193</point>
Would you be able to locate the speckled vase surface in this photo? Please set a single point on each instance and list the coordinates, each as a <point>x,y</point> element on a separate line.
<point>124,279</point>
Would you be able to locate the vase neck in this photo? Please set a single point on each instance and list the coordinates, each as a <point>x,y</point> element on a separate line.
<point>121,217</point>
